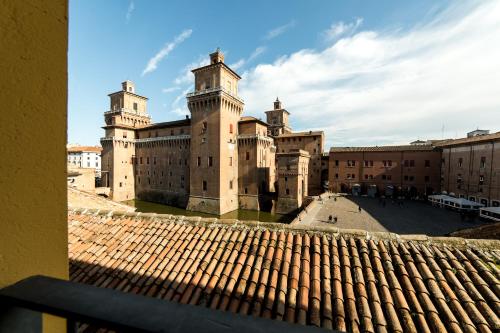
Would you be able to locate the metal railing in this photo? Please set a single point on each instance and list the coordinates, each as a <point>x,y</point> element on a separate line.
<point>123,312</point>
<point>215,89</point>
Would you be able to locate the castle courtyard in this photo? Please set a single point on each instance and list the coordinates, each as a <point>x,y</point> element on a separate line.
<point>413,217</point>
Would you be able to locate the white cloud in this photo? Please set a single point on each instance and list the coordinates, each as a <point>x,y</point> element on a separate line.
<point>258,51</point>
<point>186,76</point>
<point>240,63</point>
<point>338,29</point>
<point>181,96</point>
<point>237,64</point>
<point>391,87</point>
<point>130,10</point>
<point>153,62</point>
<point>279,30</point>
<point>170,89</point>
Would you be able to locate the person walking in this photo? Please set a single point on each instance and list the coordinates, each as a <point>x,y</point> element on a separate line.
<point>359,208</point>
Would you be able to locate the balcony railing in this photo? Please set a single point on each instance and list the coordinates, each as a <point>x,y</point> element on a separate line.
<point>215,89</point>
<point>116,310</point>
<point>128,111</point>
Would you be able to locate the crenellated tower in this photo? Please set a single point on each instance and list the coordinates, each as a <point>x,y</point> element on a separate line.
<point>215,111</point>
<point>127,113</point>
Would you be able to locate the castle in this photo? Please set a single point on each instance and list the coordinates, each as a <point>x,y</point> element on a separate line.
<point>215,161</point>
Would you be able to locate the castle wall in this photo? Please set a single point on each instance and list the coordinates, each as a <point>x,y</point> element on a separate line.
<point>162,169</point>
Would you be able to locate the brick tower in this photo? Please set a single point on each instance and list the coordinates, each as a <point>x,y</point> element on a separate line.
<point>127,113</point>
<point>215,111</point>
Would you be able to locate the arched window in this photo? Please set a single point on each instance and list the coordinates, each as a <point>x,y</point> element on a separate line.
<point>231,128</point>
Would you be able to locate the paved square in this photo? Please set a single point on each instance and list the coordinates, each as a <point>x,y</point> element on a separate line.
<point>411,218</point>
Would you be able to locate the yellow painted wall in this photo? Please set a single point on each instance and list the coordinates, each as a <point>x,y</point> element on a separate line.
<point>33,100</point>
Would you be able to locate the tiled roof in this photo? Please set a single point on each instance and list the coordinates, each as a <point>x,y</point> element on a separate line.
<point>167,124</point>
<point>352,281</point>
<point>76,149</point>
<point>383,148</point>
<point>252,119</point>
<point>474,139</point>
<point>308,133</point>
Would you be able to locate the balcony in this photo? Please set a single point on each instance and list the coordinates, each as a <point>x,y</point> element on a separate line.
<point>213,90</point>
<point>119,311</point>
<point>127,111</point>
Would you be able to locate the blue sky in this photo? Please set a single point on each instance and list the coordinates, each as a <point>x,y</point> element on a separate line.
<point>366,72</point>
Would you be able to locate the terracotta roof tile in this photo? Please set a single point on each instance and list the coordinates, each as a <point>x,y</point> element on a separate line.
<point>317,278</point>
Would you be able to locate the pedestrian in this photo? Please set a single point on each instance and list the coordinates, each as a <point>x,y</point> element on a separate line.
<point>359,208</point>
<point>330,218</point>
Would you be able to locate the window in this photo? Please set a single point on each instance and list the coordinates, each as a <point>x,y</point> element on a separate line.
<point>460,162</point>
<point>427,163</point>
<point>154,160</point>
<point>88,164</point>
<point>406,178</point>
<point>287,192</point>
<point>366,176</point>
<point>459,178</point>
<point>351,163</point>
<point>198,162</point>
<point>140,160</point>
<point>368,163</point>
<point>384,177</point>
<point>204,185</point>
<point>412,178</point>
<point>120,184</point>
<point>336,176</point>
<point>230,128</point>
<point>246,190</point>
<point>204,127</point>
<point>481,179</point>
<point>482,165</point>
<point>286,179</point>
<point>336,163</point>
<point>406,163</point>
<point>412,163</point>
<point>147,160</point>
<point>389,177</point>
<point>96,164</point>
<point>172,132</point>
<point>124,135</point>
<point>247,155</point>
<point>427,179</point>
<point>230,184</point>
<point>135,106</point>
<point>230,161</point>
<point>210,161</point>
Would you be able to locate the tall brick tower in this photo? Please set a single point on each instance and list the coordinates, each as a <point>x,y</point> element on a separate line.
<point>127,113</point>
<point>215,110</point>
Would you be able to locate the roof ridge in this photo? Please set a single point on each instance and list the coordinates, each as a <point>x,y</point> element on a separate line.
<point>456,242</point>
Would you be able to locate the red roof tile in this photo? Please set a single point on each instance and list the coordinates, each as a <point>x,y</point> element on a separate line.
<point>313,277</point>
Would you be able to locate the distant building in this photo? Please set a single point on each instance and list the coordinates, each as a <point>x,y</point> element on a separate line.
<point>409,170</point>
<point>466,167</point>
<point>477,132</point>
<point>87,157</point>
<point>216,161</point>
<point>471,167</point>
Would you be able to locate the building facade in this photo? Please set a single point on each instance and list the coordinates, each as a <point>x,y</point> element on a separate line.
<point>412,169</point>
<point>85,157</point>
<point>215,161</point>
<point>467,167</point>
<point>471,167</point>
